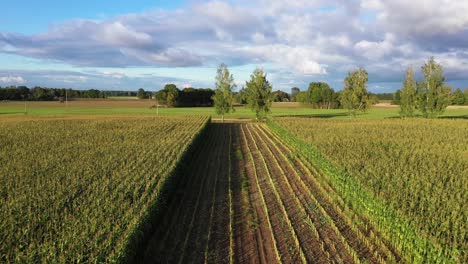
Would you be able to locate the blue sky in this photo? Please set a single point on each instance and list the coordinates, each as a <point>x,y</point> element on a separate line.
<point>30,16</point>
<point>146,43</point>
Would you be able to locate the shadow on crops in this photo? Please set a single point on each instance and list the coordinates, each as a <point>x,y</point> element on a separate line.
<point>324,115</point>
<point>420,116</point>
<point>11,113</point>
<point>454,117</point>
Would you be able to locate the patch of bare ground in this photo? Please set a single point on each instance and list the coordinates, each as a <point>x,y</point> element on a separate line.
<point>249,198</point>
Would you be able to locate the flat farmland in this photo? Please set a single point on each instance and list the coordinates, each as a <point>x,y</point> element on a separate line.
<point>250,199</point>
<point>142,107</point>
<point>173,189</point>
<point>79,189</point>
<point>416,168</point>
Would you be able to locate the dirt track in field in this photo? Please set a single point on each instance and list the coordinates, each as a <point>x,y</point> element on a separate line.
<point>249,198</point>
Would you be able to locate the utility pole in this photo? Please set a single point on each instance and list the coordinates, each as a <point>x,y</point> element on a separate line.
<point>66,98</point>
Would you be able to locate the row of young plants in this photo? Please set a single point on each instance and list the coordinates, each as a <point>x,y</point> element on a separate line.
<point>402,231</point>
<point>81,190</point>
<point>273,185</point>
<point>312,226</point>
<point>332,204</point>
<point>305,216</point>
<point>267,213</point>
<point>340,220</point>
<point>313,211</point>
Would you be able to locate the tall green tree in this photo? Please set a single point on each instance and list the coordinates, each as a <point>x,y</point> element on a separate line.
<point>355,96</point>
<point>396,100</point>
<point>224,98</point>
<point>168,95</point>
<point>141,94</point>
<point>458,97</point>
<point>259,94</point>
<point>408,98</point>
<point>434,94</point>
<point>321,94</point>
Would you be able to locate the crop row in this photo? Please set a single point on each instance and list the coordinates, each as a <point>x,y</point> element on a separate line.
<point>77,190</point>
<point>407,177</point>
<point>261,203</point>
<point>308,204</point>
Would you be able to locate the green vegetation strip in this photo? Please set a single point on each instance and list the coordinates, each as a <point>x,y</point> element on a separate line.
<point>401,233</point>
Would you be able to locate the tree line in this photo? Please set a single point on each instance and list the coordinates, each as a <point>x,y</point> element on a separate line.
<point>172,96</point>
<point>47,94</point>
<point>428,97</point>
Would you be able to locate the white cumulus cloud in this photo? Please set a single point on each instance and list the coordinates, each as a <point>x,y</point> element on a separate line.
<point>12,79</point>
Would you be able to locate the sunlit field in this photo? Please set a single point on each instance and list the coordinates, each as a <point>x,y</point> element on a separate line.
<point>98,107</point>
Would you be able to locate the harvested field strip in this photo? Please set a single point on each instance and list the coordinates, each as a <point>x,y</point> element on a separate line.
<point>261,206</point>
<point>301,222</point>
<point>253,240</point>
<point>335,245</point>
<point>285,236</point>
<point>367,240</point>
<point>248,198</point>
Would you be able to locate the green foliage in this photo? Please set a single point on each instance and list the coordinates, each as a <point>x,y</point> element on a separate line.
<point>319,95</point>
<point>280,96</point>
<point>79,190</point>
<point>241,96</point>
<point>416,167</point>
<point>466,96</point>
<point>259,94</point>
<point>195,97</point>
<point>141,94</point>
<point>396,100</point>
<point>433,93</point>
<point>355,96</point>
<point>224,98</point>
<point>458,97</point>
<point>168,95</point>
<point>408,100</point>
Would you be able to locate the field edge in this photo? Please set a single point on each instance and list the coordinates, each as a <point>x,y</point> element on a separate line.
<point>398,231</point>
<point>143,230</point>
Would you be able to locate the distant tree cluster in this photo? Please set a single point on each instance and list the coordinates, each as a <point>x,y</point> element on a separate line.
<point>280,96</point>
<point>257,93</point>
<point>47,94</point>
<point>383,96</point>
<point>319,95</point>
<point>460,97</point>
<point>430,96</point>
<point>171,96</point>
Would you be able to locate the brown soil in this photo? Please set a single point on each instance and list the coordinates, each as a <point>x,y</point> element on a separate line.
<point>247,198</point>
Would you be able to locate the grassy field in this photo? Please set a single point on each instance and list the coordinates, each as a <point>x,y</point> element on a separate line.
<point>141,107</point>
<point>78,190</point>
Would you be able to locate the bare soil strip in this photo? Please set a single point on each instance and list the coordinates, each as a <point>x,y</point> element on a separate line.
<point>248,198</point>
<point>354,227</point>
